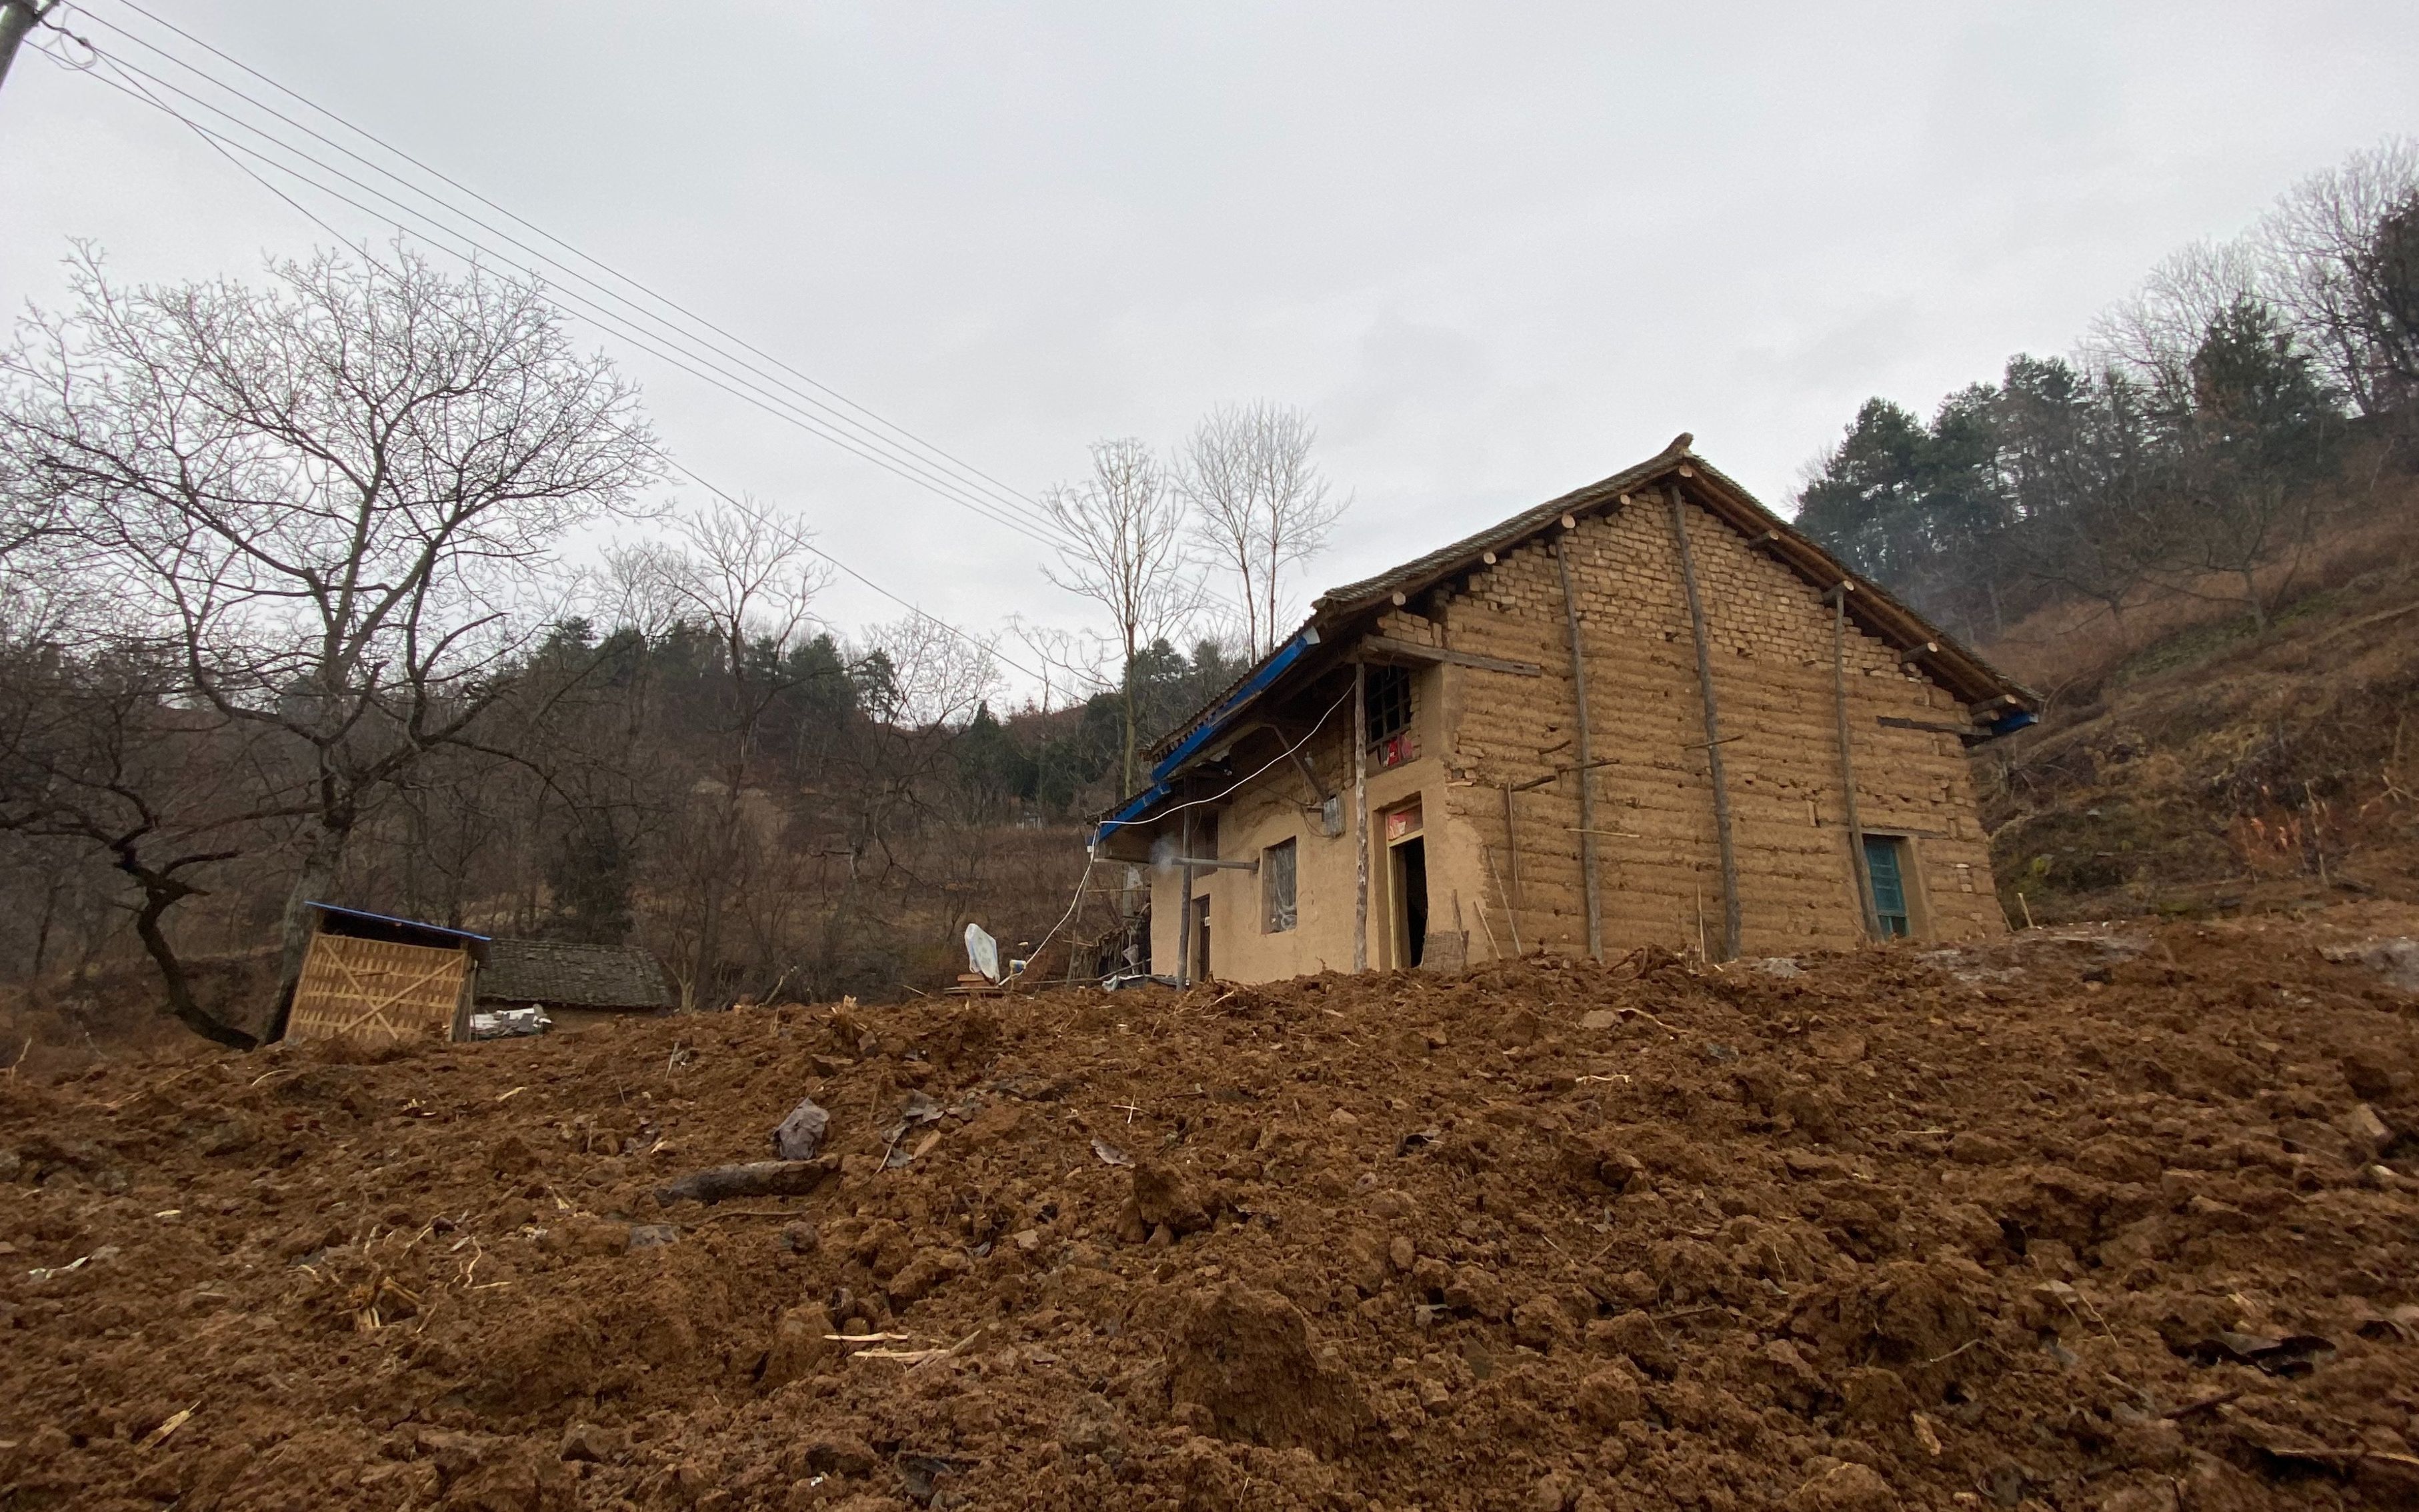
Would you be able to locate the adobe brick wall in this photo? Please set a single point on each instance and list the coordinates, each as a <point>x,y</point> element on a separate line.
<point>1770,638</point>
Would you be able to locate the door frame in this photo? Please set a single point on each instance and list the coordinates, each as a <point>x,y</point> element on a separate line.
<point>1398,952</point>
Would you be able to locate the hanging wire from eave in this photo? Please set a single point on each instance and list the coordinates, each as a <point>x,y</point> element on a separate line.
<point>1283,755</point>
<point>1091,860</point>
<point>1092,854</point>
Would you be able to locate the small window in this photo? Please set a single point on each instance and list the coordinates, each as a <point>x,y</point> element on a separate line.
<point>1886,866</point>
<point>1277,888</point>
<point>1390,714</point>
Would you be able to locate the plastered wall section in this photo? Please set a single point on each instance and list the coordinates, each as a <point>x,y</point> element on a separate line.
<point>1278,806</point>
<point>1770,637</point>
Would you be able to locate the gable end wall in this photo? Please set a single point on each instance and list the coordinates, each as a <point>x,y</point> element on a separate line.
<point>1770,636</point>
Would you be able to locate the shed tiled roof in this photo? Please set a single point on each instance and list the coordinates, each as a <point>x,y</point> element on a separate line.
<point>572,976</point>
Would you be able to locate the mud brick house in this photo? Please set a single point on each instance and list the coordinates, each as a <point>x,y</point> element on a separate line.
<point>1646,713</point>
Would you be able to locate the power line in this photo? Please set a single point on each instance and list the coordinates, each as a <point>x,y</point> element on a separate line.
<point>1006,494</point>
<point>978,642</point>
<point>229,151</point>
<point>680,355</point>
<point>434,231</point>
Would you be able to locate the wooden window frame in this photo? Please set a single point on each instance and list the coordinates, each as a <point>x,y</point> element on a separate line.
<point>1279,918</point>
<point>1392,711</point>
<point>1910,882</point>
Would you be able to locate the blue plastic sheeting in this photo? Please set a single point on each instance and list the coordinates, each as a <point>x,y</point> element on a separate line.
<point>403,923</point>
<point>1135,806</point>
<point>1201,738</point>
<point>2014,722</point>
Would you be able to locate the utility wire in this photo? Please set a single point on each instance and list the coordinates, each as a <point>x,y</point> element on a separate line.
<point>1195,803</point>
<point>1006,494</point>
<point>616,321</point>
<point>229,151</point>
<point>970,638</point>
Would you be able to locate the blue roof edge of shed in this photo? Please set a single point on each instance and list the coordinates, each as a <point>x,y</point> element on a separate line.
<point>1192,745</point>
<point>407,923</point>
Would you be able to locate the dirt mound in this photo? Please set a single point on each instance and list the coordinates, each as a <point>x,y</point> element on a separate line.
<point>2083,1219</point>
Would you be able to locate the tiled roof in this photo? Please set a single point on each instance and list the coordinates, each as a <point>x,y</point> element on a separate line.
<point>572,976</point>
<point>1870,606</point>
<point>1421,571</point>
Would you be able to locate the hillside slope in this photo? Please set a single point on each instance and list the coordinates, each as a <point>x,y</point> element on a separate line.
<point>2214,769</point>
<point>2078,1219</point>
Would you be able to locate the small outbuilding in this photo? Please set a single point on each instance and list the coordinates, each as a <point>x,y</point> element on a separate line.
<point>576,985</point>
<point>375,976</point>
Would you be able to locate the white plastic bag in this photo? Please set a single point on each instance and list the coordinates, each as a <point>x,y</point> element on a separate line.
<point>982,952</point>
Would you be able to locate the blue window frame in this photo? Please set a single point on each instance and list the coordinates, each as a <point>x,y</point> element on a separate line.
<point>1884,855</point>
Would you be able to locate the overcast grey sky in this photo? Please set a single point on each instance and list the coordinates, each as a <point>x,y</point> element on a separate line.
<point>1497,249</point>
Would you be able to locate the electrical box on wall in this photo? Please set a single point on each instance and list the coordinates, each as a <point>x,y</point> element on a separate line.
<point>1331,816</point>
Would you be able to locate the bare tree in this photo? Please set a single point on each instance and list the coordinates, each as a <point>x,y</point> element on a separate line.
<point>1125,530</point>
<point>1260,505</point>
<point>2151,336</point>
<point>335,498</point>
<point>2342,249</point>
<point>96,751</point>
<point>935,676</point>
<point>2259,432</point>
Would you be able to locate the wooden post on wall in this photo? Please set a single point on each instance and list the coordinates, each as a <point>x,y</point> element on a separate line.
<point>1713,730</point>
<point>1587,766</point>
<point>1873,924</point>
<point>1360,816</point>
<point>1184,925</point>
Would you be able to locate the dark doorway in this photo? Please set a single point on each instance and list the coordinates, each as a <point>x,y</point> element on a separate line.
<point>1411,899</point>
<point>1200,939</point>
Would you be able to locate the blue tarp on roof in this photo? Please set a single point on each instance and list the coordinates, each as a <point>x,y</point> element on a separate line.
<point>1206,734</point>
<point>420,926</point>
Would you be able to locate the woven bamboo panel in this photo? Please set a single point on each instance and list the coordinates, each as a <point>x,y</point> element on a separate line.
<point>374,989</point>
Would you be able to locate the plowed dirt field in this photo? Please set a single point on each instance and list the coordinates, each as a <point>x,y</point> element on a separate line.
<point>2121,1218</point>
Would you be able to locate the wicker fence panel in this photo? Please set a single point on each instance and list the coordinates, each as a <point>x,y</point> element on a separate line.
<point>376,990</point>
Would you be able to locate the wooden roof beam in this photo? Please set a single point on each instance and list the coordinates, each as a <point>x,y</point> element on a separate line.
<point>1386,648</point>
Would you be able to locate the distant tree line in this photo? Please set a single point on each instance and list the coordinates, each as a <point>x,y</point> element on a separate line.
<point>2187,449</point>
<point>285,616</point>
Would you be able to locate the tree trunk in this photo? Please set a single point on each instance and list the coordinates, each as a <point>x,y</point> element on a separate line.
<point>159,895</point>
<point>42,929</point>
<point>2251,597</point>
<point>709,943</point>
<point>1127,703</point>
<point>709,927</point>
<point>313,883</point>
